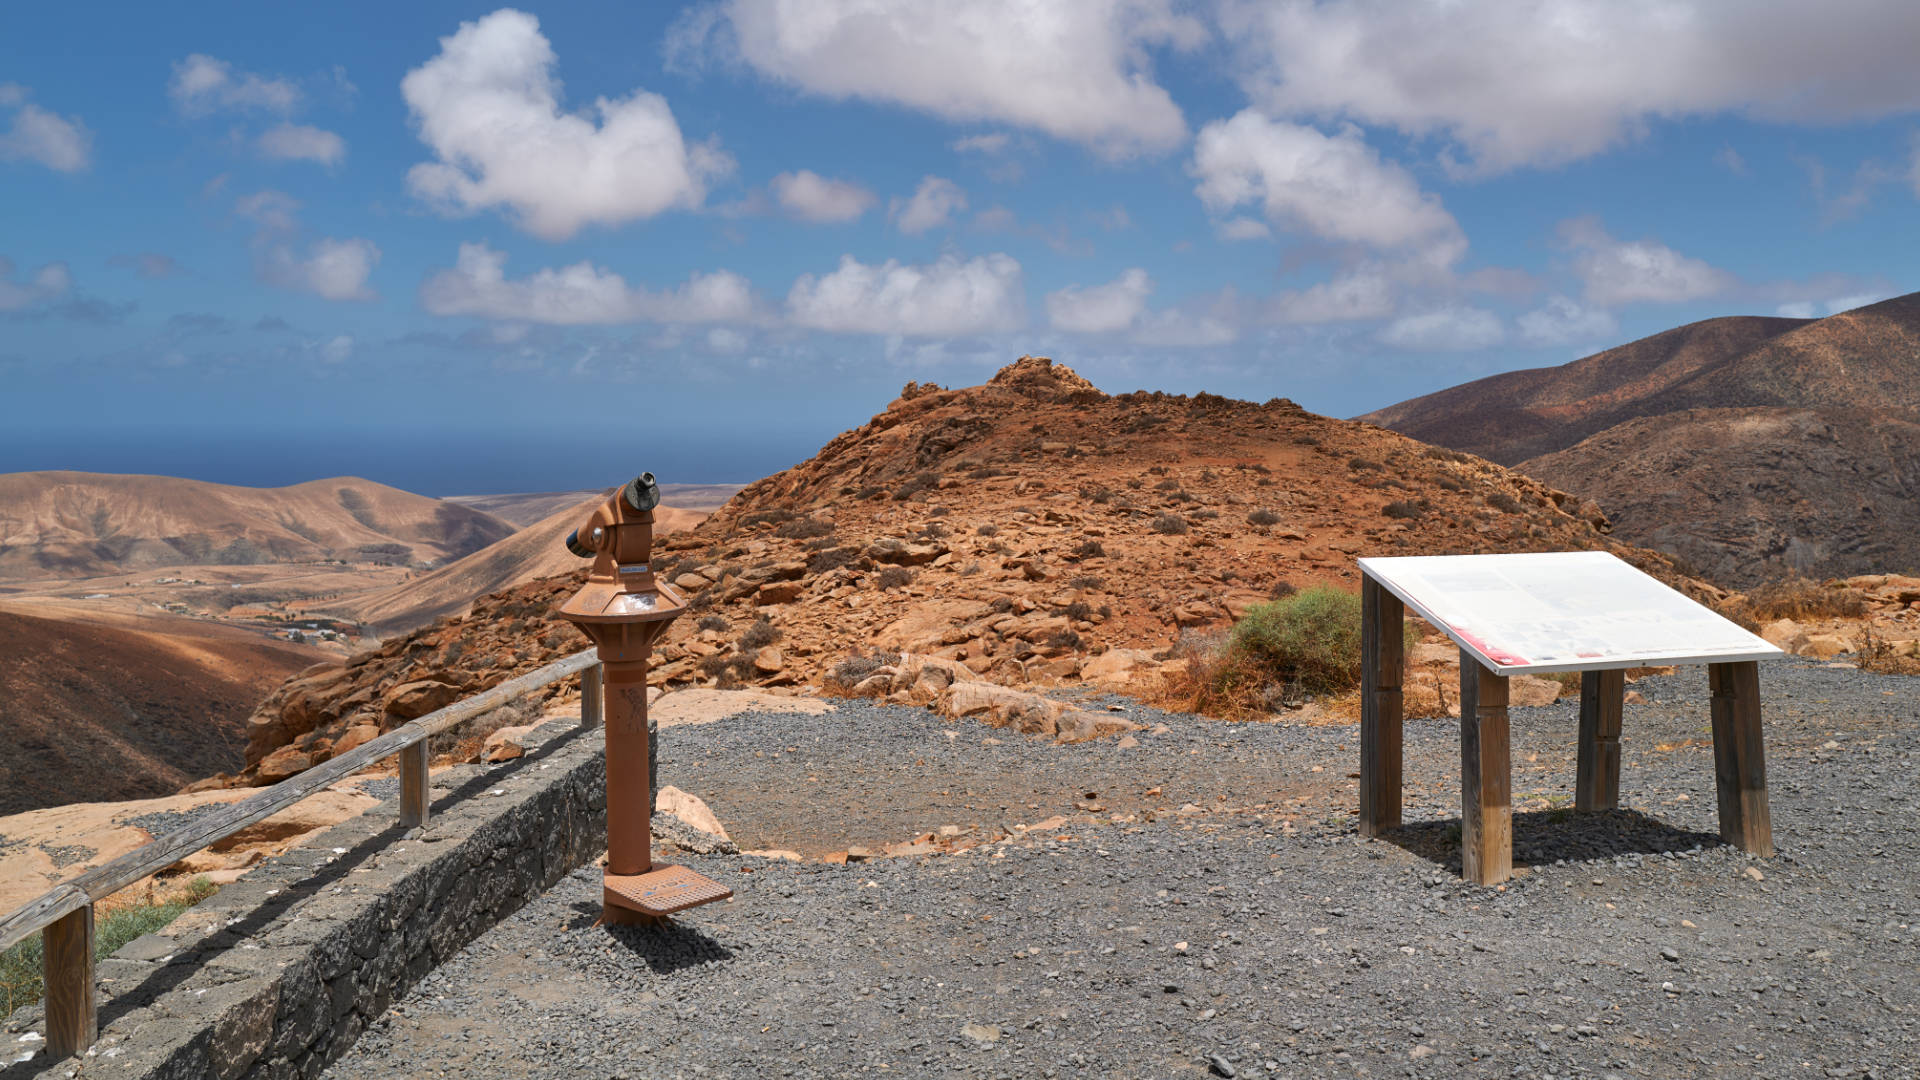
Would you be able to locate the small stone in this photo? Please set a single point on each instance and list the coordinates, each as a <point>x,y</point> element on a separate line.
<point>1670,955</point>
<point>984,1034</point>
<point>1221,1066</point>
<point>1754,873</point>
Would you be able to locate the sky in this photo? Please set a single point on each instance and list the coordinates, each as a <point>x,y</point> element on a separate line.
<point>464,249</point>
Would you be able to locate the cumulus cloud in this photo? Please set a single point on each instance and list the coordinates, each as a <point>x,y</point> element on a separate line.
<point>1360,293</point>
<point>933,204</point>
<point>1333,186</point>
<point>1077,71</point>
<point>61,143</point>
<point>489,108</point>
<point>1101,309</point>
<point>948,297</point>
<point>331,268</point>
<point>581,294</point>
<point>1563,321</point>
<point>811,197</point>
<point>202,84</point>
<point>1243,228</point>
<point>299,142</point>
<point>1515,83</point>
<point>991,143</point>
<point>49,282</point>
<point>1624,272</point>
<point>1449,329</point>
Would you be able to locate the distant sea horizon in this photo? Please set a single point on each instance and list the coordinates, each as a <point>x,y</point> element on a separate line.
<point>433,464</point>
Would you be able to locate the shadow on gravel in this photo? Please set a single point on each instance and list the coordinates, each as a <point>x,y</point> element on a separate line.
<point>1547,836</point>
<point>669,948</point>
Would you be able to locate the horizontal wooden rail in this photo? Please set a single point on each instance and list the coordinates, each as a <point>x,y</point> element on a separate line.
<point>70,1033</point>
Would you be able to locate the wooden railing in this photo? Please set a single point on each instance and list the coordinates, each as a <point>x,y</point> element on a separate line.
<point>64,914</point>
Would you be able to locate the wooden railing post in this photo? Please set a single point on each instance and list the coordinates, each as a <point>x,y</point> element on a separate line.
<point>67,958</point>
<point>591,687</point>
<point>413,785</point>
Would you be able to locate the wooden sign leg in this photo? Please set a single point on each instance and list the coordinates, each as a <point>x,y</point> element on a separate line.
<point>1486,811</point>
<point>1602,697</point>
<point>1382,669</point>
<point>413,785</point>
<point>1739,757</point>
<point>67,968</point>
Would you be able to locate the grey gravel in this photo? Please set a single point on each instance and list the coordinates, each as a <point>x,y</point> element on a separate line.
<point>1260,932</point>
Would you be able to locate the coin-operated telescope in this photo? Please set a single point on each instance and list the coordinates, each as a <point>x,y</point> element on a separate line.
<point>625,609</point>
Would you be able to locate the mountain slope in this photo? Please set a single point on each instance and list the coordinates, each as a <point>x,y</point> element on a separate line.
<point>77,727</point>
<point>1749,495</point>
<point>72,524</point>
<point>1033,529</point>
<point>533,552</point>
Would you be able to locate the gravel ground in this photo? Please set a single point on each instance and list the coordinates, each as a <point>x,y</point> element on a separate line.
<point>1248,935</point>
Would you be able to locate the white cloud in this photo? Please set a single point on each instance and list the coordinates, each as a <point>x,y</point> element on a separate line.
<point>1334,186</point>
<point>330,268</point>
<point>1077,71</point>
<point>337,350</point>
<point>299,142</point>
<point>811,197</point>
<point>1562,320</point>
<point>202,84</point>
<point>1445,330</point>
<point>1519,82</point>
<point>947,297</point>
<point>1802,309</point>
<point>993,143</point>
<point>46,283</point>
<point>489,107</point>
<point>61,143</point>
<point>581,294</point>
<point>932,205</point>
<point>1100,309</point>
<point>1848,303</point>
<point>1624,272</point>
<point>1364,292</point>
<point>1243,228</point>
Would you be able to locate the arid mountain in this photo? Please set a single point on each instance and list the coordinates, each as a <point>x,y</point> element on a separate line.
<point>1034,530</point>
<point>78,726</point>
<point>533,552</point>
<point>1751,495</point>
<point>71,524</point>
<point>1749,446</point>
<point>529,508</point>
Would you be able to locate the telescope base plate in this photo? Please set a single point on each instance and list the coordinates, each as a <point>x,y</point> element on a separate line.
<point>660,892</point>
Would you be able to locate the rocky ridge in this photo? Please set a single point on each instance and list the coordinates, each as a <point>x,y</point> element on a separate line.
<point>968,546</point>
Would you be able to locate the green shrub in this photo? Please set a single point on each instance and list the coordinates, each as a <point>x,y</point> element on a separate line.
<point>1310,639</point>
<point>20,966</point>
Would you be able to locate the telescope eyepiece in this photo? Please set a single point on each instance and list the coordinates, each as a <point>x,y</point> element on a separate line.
<point>575,546</point>
<point>642,492</point>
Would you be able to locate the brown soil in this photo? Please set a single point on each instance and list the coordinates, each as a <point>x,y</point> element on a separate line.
<point>108,707</point>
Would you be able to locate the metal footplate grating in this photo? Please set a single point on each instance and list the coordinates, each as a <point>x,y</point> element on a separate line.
<point>663,890</point>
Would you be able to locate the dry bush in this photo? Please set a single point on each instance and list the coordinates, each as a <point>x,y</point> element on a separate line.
<point>761,634</point>
<point>1404,509</point>
<point>805,529</point>
<point>1170,525</point>
<point>1794,598</point>
<point>849,673</point>
<point>1263,516</point>
<point>895,577</point>
<point>713,622</point>
<point>1504,502</point>
<point>1879,656</point>
<point>1089,549</point>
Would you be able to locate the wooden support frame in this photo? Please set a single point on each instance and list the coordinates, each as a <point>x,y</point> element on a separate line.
<point>1739,757</point>
<point>1486,810</point>
<point>1382,673</point>
<point>1602,700</point>
<point>592,701</point>
<point>413,785</point>
<point>67,958</point>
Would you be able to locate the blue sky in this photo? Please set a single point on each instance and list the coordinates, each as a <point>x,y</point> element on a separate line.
<point>433,244</point>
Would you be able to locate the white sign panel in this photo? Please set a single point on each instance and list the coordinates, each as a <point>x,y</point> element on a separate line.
<point>1562,611</point>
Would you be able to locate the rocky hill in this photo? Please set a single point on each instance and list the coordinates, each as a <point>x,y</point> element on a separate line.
<point>73,524</point>
<point>1748,446</point>
<point>1033,530</point>
<point>80,725</point>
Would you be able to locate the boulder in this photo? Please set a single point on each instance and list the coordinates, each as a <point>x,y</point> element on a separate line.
<point>690,809</point>
<point>1781,633</point>
<point>413,700</point>
<point>1826,646</point>
<point>1079,725</point>
<point>281,764</point>
<point>505,744</point>
<point>769,661</point>
<point>1528,690</point>
<point>889,549</point>
<point>357,735</point>
<point>1117,667</point>
<point>779,592</point>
